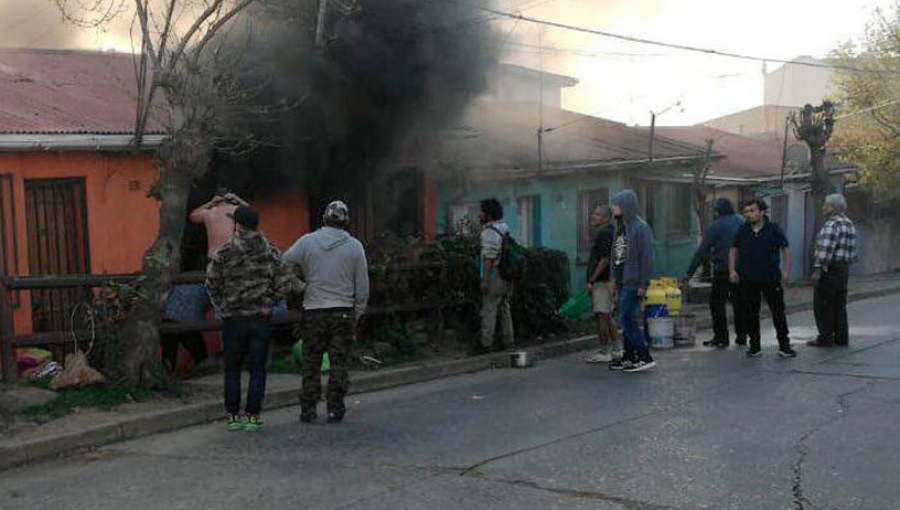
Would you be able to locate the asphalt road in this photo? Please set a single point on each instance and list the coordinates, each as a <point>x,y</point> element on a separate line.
<point>706,429</point>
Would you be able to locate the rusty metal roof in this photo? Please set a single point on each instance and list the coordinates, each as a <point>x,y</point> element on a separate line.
<point>68,92</point>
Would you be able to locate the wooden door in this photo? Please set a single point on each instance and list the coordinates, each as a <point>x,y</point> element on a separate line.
<point>56,222</point>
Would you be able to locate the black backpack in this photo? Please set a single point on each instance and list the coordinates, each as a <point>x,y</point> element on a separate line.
<point>512,260</point>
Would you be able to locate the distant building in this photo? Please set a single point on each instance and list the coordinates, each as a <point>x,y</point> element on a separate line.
<point>517,84</point>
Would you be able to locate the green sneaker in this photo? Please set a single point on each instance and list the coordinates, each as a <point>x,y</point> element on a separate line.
<point>234,423</point>
<point>254,423</point>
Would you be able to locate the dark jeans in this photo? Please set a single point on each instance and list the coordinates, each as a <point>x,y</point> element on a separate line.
<point>722,292</point>
<point>751,294</point>
<point>245,339</point>
<point>192,341</point>
<point>630,320</point>
<point>830,305</point>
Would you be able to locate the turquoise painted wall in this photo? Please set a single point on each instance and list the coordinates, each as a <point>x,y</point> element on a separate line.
<point>558,223</point>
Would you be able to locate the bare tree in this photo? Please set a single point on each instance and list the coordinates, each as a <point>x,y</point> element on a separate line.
<point>182,69</point>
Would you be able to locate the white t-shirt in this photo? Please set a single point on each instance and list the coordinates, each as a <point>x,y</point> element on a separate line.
<point>492,240</point>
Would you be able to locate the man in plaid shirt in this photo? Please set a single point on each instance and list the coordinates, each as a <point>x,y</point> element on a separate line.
<point>835,251</point>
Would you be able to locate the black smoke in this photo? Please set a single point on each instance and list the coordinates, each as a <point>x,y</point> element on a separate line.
<point>390,76</point>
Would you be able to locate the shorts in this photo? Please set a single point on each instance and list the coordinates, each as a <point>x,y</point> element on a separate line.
<point>602,297</point>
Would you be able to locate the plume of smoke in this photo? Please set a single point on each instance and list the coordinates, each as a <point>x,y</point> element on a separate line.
<point>389,72</point>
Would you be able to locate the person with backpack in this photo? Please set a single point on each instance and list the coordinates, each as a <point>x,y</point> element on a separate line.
<point>495,289</point>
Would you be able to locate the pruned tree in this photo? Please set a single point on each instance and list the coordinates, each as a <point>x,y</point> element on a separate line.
<point>184,83</point>
<point>814,126</point>
<point>700,189</point>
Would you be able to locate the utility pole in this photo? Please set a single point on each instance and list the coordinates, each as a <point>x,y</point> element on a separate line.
<point>320,24</point>
<point>787,123</point>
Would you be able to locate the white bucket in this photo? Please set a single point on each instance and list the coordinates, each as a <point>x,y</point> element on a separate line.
<point>661,332</point>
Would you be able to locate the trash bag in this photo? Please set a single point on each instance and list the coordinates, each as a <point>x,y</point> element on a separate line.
<point>297,351</point>
<point>76,373</point>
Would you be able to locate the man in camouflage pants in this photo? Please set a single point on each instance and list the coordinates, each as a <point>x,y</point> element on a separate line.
<point>337,276</point>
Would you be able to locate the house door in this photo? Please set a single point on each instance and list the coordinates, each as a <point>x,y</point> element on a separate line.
<point>56,222</point>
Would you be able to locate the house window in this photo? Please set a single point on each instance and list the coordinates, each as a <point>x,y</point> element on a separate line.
<point>679,208</point>
<point>588,200</point>
<point>463,218</point>
<point>528,219</point>
<point>645,194</point>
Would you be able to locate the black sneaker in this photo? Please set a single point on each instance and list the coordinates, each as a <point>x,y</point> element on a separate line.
<point>308,417</point>
<point>640,366</point>
<point>819,343</point>
<point>741,341</point>
<point>619,364</point>
<point>711,343</point>
<point>754,353</point>
<point>787,353</point>
<point>335,418</point>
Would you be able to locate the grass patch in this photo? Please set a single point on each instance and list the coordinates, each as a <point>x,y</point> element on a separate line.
<point>103,397</point>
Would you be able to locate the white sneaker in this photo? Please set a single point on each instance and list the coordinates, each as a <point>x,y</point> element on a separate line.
<point>600,357</point>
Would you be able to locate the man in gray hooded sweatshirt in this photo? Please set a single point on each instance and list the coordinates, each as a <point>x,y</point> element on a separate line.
<point>337,275</point>
<point>632,265</point>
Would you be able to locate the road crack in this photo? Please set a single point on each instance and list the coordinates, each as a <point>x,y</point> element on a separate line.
<point>628,503</point>
<point>800,500</point>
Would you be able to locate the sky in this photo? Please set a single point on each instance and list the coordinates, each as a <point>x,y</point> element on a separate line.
<point>617,80</point>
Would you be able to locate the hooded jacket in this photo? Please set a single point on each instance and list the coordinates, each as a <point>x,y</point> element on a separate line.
<point>335,270</point>
<point>246,277</point>
<point>639,259</point>
<point>718,238</point>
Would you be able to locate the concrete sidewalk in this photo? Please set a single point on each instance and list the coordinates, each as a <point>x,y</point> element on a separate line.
<point>93,428</point>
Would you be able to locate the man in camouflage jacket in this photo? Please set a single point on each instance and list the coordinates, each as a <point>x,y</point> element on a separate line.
<point>246,280</point>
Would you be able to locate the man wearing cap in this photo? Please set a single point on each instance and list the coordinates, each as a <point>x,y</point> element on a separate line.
<point>246,279</point>
<point>337,276</point>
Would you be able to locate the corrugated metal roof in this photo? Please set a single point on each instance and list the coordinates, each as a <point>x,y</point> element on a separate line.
<point>499,139</point>
<point>744,157</point>
<point>68,92</point>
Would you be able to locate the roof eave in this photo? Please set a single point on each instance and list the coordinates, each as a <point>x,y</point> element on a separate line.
<point>76,142</point>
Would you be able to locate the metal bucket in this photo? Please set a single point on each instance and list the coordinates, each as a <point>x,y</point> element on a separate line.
<point>661,333</point>
<point>685,331</point>
<point>519,359</point>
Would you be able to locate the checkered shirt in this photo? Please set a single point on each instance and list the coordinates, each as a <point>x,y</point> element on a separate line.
<point>836,241</point>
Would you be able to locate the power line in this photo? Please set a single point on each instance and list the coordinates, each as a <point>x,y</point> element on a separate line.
<point>683,47</point>
<point>869,109</point>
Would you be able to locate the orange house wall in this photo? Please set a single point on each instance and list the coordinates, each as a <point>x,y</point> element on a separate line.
<point>283,217</point>
<point>122,222</point>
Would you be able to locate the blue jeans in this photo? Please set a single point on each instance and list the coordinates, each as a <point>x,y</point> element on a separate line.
<point>629,319</point>
<point>245,339</point>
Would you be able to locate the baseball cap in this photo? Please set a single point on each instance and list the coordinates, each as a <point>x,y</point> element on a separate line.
<point>337,212</point>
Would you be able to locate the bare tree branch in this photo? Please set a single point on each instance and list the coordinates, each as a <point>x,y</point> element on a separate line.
<point>218,25</point>
<point>198,23</point>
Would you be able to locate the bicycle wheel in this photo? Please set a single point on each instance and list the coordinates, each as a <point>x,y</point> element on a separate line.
<point>82,327</point>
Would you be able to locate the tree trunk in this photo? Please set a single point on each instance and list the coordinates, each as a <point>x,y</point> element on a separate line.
<point>821,186</point>
<point>180,162</point>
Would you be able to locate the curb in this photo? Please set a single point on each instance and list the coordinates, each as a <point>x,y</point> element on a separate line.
<point>150,423</point>
<point>706,322</point>
<point>146,424</point>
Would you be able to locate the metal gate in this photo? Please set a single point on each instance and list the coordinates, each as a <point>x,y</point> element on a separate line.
<point>56,222</point>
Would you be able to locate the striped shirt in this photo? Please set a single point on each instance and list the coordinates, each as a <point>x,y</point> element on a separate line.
<point>836,241</point>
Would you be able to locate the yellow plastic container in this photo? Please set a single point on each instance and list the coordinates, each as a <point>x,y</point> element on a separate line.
<point>673,295</point>
<point>655,300</point>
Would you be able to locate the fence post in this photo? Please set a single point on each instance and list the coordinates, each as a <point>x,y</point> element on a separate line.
<point>7,333</point>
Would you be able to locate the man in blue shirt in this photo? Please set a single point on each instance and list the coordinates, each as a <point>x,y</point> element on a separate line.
<point>717,241</point>
<point>755,262</point>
